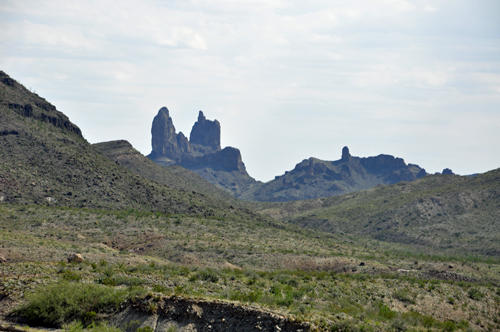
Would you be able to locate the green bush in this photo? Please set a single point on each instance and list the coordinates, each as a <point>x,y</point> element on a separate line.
<point>78,327</point>
<point>475,294</point>
<point>71,275</point>
<point>208,275</point>
<point>403,296</point>
<point>385,311</point>
<point>55,304</point>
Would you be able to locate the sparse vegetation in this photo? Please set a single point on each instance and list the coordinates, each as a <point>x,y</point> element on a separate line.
<point>56,304</point>
<point>334,262</point>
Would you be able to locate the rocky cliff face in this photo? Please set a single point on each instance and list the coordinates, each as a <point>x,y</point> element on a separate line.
<point>202,153</point>
<point>205,135</point>
<point>165,141</point>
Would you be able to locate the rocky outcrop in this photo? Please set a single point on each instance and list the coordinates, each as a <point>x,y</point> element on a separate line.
<point>447,171</point>
<point>345,154</point>
<point>228,159</point>
<point>202,153</point>
<point>205,135</point>
<point>180,314</point>
<point>165,141</point>
<point>75,258</point>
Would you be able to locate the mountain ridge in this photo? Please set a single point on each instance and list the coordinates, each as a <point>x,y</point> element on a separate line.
<point>313,178</point>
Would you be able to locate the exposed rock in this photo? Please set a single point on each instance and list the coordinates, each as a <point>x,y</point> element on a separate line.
<point>314,178</point>
<point>206,133</point>
<point>51,200</point>
<point>3,260</point>
<point>345,154</point>
<point>228,159</point>
<point>447,171</point>
<point>75,258</point>
<point>165,141</point>
<point>179,314</point>
<point>202,154</point>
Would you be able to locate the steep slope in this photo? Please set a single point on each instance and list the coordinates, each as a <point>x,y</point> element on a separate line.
<point>438,213</point>
<point>313,178</point>
<point>123,153</point>
<point>45,160</point>
<point>201,154</point>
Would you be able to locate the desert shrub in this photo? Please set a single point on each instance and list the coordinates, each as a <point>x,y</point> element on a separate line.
<point>398,325</point>
<point>158,288</point>
<point>285,302</point>
<point>79,327</point>
<point>385,311</point>
<point>403,296</point>
<point>475,294</point>
<point>251,274</point>
<point>145,329</point>
<point>252,296</point>
<point>344,326</point>
<point>206,275</point>
<point>71,275</point>
<point>449,326</point>
<point>275,289</point>
<point>55,304</point>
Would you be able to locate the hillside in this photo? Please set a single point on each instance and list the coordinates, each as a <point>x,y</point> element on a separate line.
<point>314,178</point>
<point>45,160</point>
<point>123,153</point>
<point>155,258</point>
<point>436,214</point>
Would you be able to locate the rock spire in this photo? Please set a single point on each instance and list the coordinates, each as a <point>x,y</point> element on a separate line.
<point>206,133</point>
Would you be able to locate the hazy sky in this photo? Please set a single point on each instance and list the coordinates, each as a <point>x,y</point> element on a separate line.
<point>287,80</point>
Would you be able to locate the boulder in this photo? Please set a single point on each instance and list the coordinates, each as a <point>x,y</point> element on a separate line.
<point>75,258</point>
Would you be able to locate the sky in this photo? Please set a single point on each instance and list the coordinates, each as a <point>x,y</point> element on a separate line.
<point>287,80</point>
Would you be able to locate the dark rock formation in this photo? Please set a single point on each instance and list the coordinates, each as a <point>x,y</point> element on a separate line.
<point>345,154</point>
<point>205,133</point>
<point>165,141</point>
<point>202,153</point>
<point>181,314</point>
<point>447,171</point>
<point>313,178</point>
<point>227,159</point>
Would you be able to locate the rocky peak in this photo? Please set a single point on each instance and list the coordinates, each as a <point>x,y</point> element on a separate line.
<point>345,154</point>
<point>206,133</point>
<point>165,141</point>
<point>447,171</point>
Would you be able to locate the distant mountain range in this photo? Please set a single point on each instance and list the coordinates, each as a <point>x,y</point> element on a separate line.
<point>311,178</point>
<point>45,160</point>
